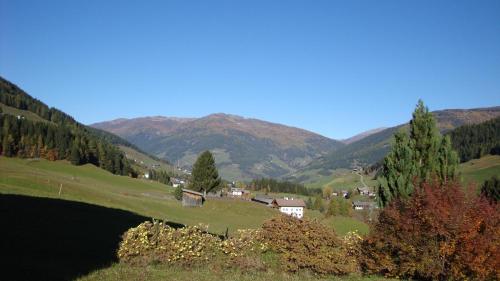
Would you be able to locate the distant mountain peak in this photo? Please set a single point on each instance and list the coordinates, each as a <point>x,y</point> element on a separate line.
<point>362,135</point>
<point>244,148</point>
<point>224,115</point>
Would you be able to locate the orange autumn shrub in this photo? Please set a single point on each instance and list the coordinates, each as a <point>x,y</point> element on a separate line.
<point>309,245</point>
<point>440,233</point>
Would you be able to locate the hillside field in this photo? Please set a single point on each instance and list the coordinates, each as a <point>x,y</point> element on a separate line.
<point>90,184</point>
<point>478,170</point>
<point>472,172</point>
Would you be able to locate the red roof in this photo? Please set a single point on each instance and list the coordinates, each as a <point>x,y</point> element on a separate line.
<point>289,203</point>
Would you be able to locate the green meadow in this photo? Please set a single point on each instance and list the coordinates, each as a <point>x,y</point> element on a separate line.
<point>89,184</point>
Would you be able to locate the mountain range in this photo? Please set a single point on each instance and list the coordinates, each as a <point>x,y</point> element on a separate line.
<point>247,148</point>
<point>244,148</point>
<point>372,148</point>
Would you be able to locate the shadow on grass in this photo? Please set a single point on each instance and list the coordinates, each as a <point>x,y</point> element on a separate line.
<point>51,239</point>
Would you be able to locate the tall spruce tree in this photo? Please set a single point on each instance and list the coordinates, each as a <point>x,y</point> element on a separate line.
<point>447,161</point>
<point>426,139</point>
<point>491,189</point>
<point>205,176</point>
<point>398,170</point>
<point>423,155</point>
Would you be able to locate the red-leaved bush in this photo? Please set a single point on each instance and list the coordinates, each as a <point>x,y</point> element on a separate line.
<point>440,233</point>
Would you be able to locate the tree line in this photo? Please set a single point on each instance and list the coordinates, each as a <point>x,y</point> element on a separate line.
<point>276,186</point>
<point>58,137</point>
<point>24,138</point>
<point>159,176</point>
<point>475,141</point>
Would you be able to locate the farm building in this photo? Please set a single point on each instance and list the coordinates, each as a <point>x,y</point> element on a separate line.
<point>292,207</point>
<point>363,191</point>
<point>192,198</point>
<point>236,192</point>
<point>263,199</point>
<point>214,194</point>
<point>359,205</point>
<point>239,193</point>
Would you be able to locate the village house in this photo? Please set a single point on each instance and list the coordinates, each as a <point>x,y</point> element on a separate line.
<point>345,194</point>
<point>214,194</point>
<point>363,191</point>
<point>237,192</point>
<point>291,207</point>
<point>360,205</point>
<point>191,198</point>
<point>263,199</point>
<point>176,182</point>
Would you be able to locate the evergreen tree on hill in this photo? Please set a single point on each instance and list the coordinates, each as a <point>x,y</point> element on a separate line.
<point>421,156</point>
<point>205,177</point>
<point>491,189</point>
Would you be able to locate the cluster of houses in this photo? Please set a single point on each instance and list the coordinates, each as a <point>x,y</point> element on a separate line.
<point>365,191</point>
<point>289,206</point>
<point>176,182</point>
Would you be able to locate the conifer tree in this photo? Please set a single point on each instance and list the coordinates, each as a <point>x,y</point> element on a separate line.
<point>447,161</point>
<point>426,140</point>
<point>318,203</point>
<point>422,156</point>
<point>75,155</point>
<point>205,176</point>
<point>398,170</point>
<point>491,189</point>
<point>309,203</point>
<point>178,192</point>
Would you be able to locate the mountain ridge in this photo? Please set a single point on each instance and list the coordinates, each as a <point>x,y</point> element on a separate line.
<point>373,148</point>
<point>243,147</point>
<point>362,135</point>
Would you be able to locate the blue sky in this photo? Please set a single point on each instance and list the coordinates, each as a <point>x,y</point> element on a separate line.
<point>333,67</point>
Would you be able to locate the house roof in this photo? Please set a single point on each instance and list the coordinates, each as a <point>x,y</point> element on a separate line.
<point>289,203</point>
<point>192,192</point>
<point>363,204</point>
<point>263,198</point>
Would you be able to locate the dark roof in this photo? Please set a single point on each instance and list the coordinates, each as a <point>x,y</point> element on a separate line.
<point>363,204</point>
<point>192,192</point>
<point>263,198</point>
<point>289,203</point>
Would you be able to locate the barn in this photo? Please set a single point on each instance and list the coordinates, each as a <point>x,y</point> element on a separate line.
<point>191,198</point>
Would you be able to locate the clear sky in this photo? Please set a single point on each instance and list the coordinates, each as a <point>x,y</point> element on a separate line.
<point>333,67</point>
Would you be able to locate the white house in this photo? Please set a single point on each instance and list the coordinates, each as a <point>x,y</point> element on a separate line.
<point>363,191</point>
<point>291,207</point>
<point>236,191</point>
<point>359,205</point>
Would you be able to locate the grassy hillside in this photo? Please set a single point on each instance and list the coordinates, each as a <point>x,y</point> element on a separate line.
<point>19,112</point>
<point>61,203</point>
<point>93,185</point>
<point>373,148</point>
<point>150,199</point>
<point>478,170</point>
<point>475,171</point>
<point>132,152</point>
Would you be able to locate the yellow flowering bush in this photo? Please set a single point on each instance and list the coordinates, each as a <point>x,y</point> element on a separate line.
<point>352,246</point>
<point>155,242</point>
